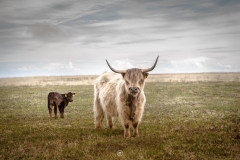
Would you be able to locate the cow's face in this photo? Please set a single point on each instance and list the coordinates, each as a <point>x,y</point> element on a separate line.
<point>69,96</point>
<point>134,78</point>
<point>134,81</point>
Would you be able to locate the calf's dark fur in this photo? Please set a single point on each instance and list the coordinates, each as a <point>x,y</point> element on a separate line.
<point>58,101</point>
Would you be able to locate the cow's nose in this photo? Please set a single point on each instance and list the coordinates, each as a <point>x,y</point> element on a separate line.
<point>133,89</point>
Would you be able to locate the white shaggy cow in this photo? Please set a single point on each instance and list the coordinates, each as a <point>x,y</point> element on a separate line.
<point>121,95</point>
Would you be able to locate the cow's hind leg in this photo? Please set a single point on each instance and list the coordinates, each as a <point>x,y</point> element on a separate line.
<point>55,111</point>
<point>50,108</point>
<point>50,111</point>
<point>98,113</point>
<point>110,121</point>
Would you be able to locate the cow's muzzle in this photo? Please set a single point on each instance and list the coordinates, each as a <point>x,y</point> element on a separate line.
<point>133,90</point>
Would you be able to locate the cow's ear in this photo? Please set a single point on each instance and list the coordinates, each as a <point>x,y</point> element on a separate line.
<point>145,75</point>
<point>65,95</point>
<point>74,94</point>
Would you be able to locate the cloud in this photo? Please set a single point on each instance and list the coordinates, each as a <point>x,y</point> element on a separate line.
<point>54,66</point>
<point>224,65</point>
<point>197,62</point>
<point>122,64</point>
<point>70,65</point>
<point>47,31</point>
<point>48,67</point>
<point>24,68</point>
<point>58,66</point>
<point>191,35</point>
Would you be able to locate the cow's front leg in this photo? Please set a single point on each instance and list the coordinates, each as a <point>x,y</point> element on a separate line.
<point>135,127</point>
<point>127,130</point>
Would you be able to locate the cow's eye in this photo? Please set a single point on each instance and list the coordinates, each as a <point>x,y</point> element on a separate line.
<point>141,81</point>
<point>127,82</point>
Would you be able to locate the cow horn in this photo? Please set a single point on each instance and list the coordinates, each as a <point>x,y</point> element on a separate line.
<point>116,71</point>
<point>150,69</point>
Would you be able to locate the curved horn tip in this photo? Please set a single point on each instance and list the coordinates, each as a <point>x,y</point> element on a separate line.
<point>108,64</point>
<point>150,69</point>
<point>116,71</point>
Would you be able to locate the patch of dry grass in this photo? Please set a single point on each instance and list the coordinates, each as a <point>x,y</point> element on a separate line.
<point>89,79</point>
<point>196,77</point>
<point>48,80</point>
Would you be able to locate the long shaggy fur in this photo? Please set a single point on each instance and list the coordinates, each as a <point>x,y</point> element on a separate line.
<point>111,99</point>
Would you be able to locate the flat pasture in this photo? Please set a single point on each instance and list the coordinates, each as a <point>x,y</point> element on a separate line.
<point>89,79</point>
<point>182,120</point>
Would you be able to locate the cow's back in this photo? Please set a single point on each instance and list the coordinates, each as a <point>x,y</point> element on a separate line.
<point>55,97</point>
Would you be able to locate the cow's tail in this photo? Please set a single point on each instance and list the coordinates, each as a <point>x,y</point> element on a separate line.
<point>50,100</point>
<point>50,103</point>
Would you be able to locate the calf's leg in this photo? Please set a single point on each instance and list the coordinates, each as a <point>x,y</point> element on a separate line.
<point>50,107</point>
<point>61,110</point>
<point>55,111</point>
<point>50,112</point>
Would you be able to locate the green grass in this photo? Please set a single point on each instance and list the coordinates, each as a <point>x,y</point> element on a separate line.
<point>181,121</point>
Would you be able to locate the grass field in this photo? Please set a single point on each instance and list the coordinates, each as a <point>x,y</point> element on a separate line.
<point>187,120</point>
<point>89,79</point>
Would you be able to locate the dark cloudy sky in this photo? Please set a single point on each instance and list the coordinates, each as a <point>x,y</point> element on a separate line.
<point>74,37</point>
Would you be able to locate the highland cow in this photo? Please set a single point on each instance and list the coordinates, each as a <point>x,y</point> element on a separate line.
<point>121,94</point>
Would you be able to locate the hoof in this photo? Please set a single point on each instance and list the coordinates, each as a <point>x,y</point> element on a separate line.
<point>136,135</point>
<point>98,127</point>
<point>127,136</point>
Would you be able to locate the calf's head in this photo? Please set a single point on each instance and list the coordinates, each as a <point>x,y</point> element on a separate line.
<point>69,96</point>
<point>134,78</point>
